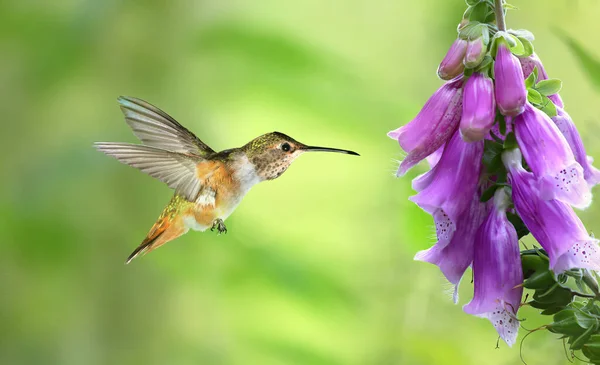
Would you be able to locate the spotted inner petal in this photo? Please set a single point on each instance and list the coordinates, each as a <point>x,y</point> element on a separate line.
<point>505,322</point>
<point>567,185</point>
<point>583,254</point>
<point>444,227</point>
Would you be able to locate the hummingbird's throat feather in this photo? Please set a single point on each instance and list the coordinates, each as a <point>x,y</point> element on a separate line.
<point>246,174</point>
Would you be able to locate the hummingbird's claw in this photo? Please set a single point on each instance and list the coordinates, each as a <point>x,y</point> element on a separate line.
<point>219,225</point>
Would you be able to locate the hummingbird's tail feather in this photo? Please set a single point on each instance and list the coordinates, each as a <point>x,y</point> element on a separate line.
<point>169,226</point>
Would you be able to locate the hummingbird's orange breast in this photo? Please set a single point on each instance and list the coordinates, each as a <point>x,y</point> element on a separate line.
<point>219,193</point>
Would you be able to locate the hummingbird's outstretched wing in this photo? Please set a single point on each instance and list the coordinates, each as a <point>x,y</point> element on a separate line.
<point>179,171</point>
<point>156,128</point>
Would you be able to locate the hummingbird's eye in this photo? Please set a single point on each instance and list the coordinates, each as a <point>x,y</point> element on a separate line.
<point>285,147</point>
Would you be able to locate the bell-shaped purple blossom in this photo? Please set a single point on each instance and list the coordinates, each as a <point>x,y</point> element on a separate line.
<point>475,53</point>
<point>455,256</point>
<point>452,64</point>
<point>435,157</point>
<point>434,124</point>
<point>551,222</point>
<point>479,108</point>
<point>446,190</point>
<point>528,64</point>
<point>550,158</point>
<point>511,93</point>
<point>497,271</point>
<point>568,129</point>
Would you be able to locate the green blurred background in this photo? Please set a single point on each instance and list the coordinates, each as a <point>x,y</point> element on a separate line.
<point>317,266</point>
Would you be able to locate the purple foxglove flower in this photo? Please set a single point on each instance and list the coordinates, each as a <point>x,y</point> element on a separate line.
<point>566,126</point>
<point>434,124</point>
<point>479,108</point>
<point>434,158</point>
<point>550,158</point>
<point>533,61</point>
<point>475,53</point>
<point>497,271</point>
<point>454,257</point>
<point>553,223</point>
<point>511,93</point>
<point>446,190</point>
<point>452,64</point>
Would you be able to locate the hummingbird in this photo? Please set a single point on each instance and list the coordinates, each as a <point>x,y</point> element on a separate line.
<point>208,185</point>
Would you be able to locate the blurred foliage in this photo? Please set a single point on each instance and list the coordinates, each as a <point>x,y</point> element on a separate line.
<point>588,62</point>
<point>317,266</point>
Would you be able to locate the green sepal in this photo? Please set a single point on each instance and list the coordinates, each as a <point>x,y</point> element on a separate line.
<point>517,222</point>
<point>501,123</point>
<point>501,37</point>
<point>539,280</point>
<point>565,323</point>
<point>534,97</point>
<point>467,72</point>
<point>510,142</point>
<point>591,349</point>
<point>488,193</point>
<point>527,46</point>
<point>549,87</point>
<point>586,320</point>
<point>479,12</point>
<point>522,33</point>
<point>578,342</point>
<point>518,49</point>
<point>491,149</point>
<point>531,80</point>
<point>533,264</point>
<point>548,107</point>
<point>474,30</point>
<point>472,2</point>
<point>485,64</point>
<point>552,310</point>
<point>556,295</point>
<point>490,17</point>
<point>540,305</point>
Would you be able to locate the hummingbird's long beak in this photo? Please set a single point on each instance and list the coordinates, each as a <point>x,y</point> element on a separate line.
<point>326,149</point>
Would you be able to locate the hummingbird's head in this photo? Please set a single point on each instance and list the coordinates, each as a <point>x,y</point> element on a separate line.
<point>272,153</point>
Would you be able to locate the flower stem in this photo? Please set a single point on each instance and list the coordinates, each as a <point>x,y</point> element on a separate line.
<point>591,283</point>
<point>500,23</point>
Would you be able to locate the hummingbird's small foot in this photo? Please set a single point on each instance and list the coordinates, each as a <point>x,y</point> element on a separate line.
<point>219,225</point>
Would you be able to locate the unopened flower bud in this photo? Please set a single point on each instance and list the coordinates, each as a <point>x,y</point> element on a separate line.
<point>479,108</point>
<point>452,64</point>
<point>475,53</point>
<point>511,93</point>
